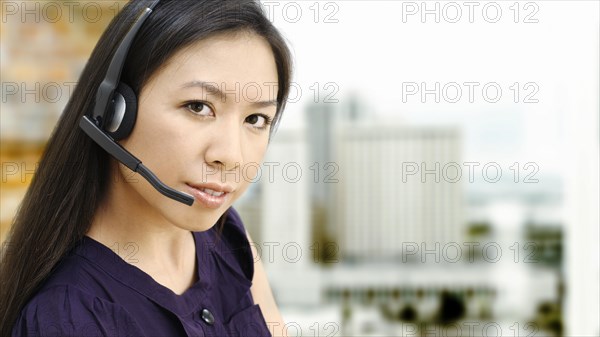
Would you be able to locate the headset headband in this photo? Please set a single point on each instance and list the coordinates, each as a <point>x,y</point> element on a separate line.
<point>113,74</point>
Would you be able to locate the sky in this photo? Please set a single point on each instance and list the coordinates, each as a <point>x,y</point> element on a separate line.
<point>380,50</point>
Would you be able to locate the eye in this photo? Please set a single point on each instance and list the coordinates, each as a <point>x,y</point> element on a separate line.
<point>259,121</point>
<point>198,108</point>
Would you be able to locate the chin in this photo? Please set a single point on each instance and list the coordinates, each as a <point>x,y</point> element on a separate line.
<point>199,222</point>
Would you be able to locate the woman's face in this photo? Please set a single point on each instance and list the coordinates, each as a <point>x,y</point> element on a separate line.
<point>202,119</point>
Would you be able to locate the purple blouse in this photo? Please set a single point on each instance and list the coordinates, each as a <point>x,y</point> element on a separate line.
<point>94,292</point>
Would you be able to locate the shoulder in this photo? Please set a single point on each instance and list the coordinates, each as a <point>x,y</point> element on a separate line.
<point>237,237</point>
<point>232,243</point>
<point>234,222</point>
<point>66,310</point>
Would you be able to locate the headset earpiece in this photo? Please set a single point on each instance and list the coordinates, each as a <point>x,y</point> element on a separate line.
<point>122,113</point>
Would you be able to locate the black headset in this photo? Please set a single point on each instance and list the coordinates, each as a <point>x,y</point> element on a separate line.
<point>115,111</point>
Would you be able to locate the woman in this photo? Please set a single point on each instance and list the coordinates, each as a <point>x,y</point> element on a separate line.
<point>95,249</point>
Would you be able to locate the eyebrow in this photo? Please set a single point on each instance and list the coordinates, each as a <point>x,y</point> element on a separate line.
<point>212,88</point>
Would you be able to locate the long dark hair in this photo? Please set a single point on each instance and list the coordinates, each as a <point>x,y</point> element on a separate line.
<point>73,172</point>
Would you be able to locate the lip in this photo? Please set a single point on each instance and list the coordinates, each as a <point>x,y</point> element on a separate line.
<point>206,199</point>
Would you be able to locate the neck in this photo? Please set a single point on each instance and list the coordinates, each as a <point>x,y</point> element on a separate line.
<point>137,232</point>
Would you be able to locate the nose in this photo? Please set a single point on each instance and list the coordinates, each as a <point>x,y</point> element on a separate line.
<point>224,151</point>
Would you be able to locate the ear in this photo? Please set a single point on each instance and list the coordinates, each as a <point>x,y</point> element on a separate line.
<point>124,112</point>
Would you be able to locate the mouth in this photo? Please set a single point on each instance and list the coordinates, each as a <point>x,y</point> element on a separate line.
<point>210,195</point>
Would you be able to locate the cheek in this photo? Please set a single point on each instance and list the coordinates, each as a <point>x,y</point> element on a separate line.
<point>250,171</point>
<point>254,170</point>
<point>255,151</point>
<point>162,147</point>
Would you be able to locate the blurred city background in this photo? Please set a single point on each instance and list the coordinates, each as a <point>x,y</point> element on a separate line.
<point>435,173</point>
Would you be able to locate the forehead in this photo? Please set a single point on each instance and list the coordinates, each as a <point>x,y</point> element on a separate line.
<point>232,61</point>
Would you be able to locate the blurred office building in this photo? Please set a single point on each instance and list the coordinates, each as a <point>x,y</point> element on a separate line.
<point>398,188</point>
<point>393,238</point>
